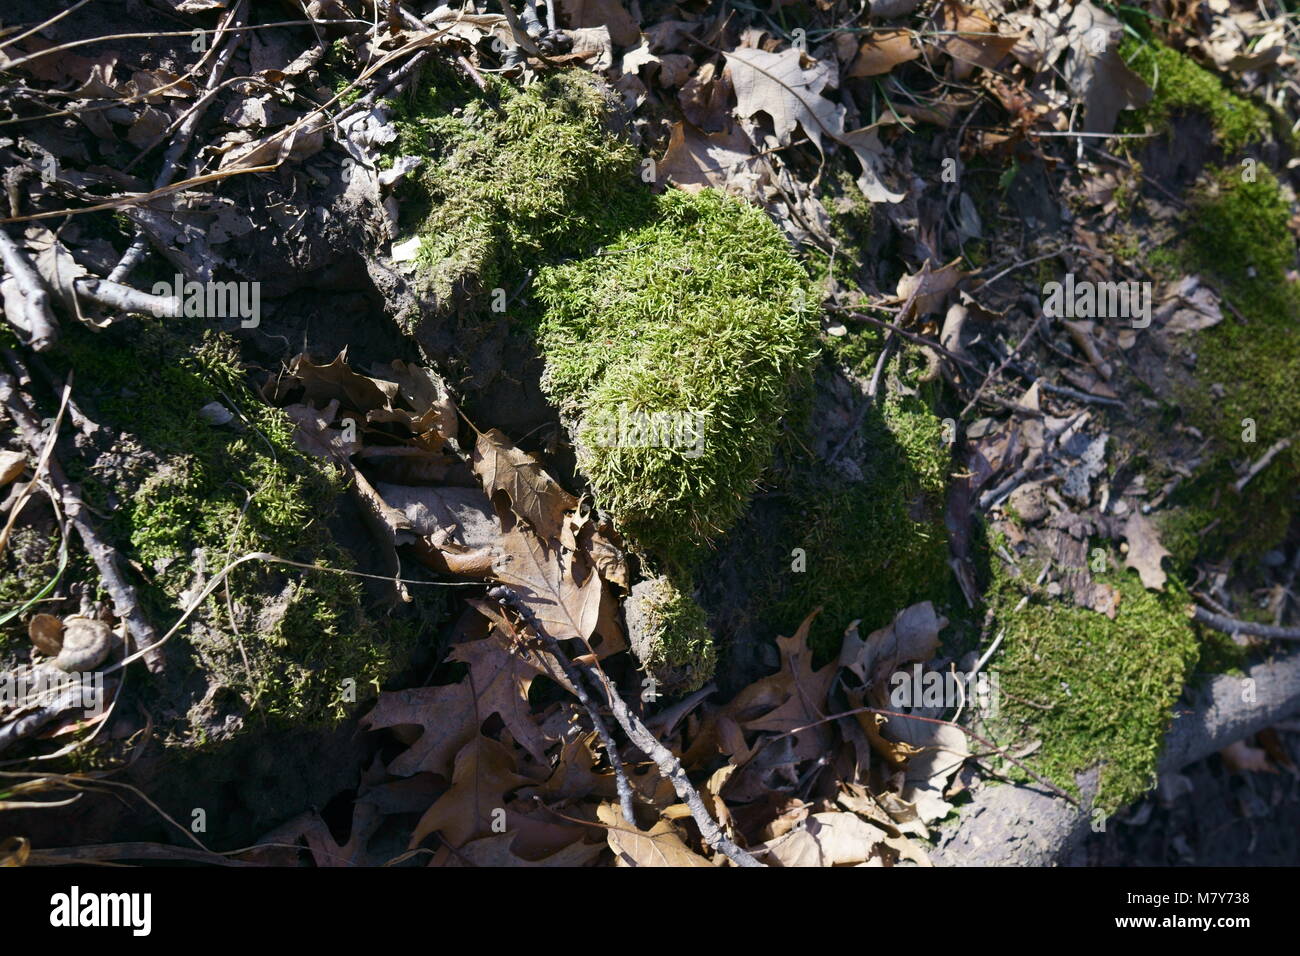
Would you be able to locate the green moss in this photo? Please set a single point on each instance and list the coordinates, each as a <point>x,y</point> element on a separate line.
<point>670,636</point>
<point>700,315</point>
<point>29,563</point>
<point>860,549</point>
<point>193,494</point>
<point>1096,692</point>
<point>514,177</point>
<point>1246,371</point>
<point>1180,86</point>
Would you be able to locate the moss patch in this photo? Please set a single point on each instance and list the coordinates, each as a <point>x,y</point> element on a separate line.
<point>1246,372</point>
<point>1181,86</point>
<point>1096,692</point>
<point>697,320</point>
<point>670,636</point>
<point>192,493</point>
<point>511,179</point>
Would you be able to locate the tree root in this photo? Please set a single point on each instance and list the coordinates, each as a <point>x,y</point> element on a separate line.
<point>1026,826</point>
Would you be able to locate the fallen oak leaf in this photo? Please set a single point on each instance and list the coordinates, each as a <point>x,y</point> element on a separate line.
<point>485,771</point>
<point>565,607</point>
<point>534,495</point>
<point>440,713</point>
<point>661,845</point>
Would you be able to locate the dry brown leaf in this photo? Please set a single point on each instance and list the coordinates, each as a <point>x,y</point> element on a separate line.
<point>978,44</point>
<point>661,845</point>
<point>501,670</point>
<point>1145,552</point>
<point>831,838</point>
<point>725,161</point>
<point>537,572</point>
<point>1242,757</point>
<point>882,51</point>
<point>485,772</point>
<point>623,28</point>
<point>12,464</point>
<point>931,289</point>
<point>534,495</point>
<point>442,714</point>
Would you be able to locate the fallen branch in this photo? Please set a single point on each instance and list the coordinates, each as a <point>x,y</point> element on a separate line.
<point>28,307</point>
<point>1230,625</point>
<point>114,295</point>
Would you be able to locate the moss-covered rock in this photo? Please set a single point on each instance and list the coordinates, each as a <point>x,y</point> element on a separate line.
<point>670,636</point>
<point>186,496</point>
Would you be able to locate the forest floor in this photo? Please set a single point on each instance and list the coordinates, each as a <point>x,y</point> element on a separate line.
<point>645,433</point>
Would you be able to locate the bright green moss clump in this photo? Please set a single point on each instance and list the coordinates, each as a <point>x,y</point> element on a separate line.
<point>1180,86</point>
<point>672,354</point>
<point>1093,690</point>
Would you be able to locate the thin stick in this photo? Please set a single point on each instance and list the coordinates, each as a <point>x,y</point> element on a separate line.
<point>671,768</point>
<point>1263,463</point>
<point>910,336</point>
<point>1230,625</point>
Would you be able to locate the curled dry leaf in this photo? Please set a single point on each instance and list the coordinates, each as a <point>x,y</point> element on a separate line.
<point>661,845</point>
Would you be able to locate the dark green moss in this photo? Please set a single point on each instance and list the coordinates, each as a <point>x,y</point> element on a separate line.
<point>1247,369</point>
<point>192,495</point>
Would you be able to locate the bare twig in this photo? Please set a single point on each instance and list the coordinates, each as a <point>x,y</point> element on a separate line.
<point>172,158</point>
<point>1257,467</point>
<point>503,595</point>
<point>671,768</point>
<point>125,604</point>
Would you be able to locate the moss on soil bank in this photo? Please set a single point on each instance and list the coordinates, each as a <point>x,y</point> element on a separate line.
<point>184,495</point>
<point>1247,370</point>
<point>1096,692</point>
<point>1180,85</point>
